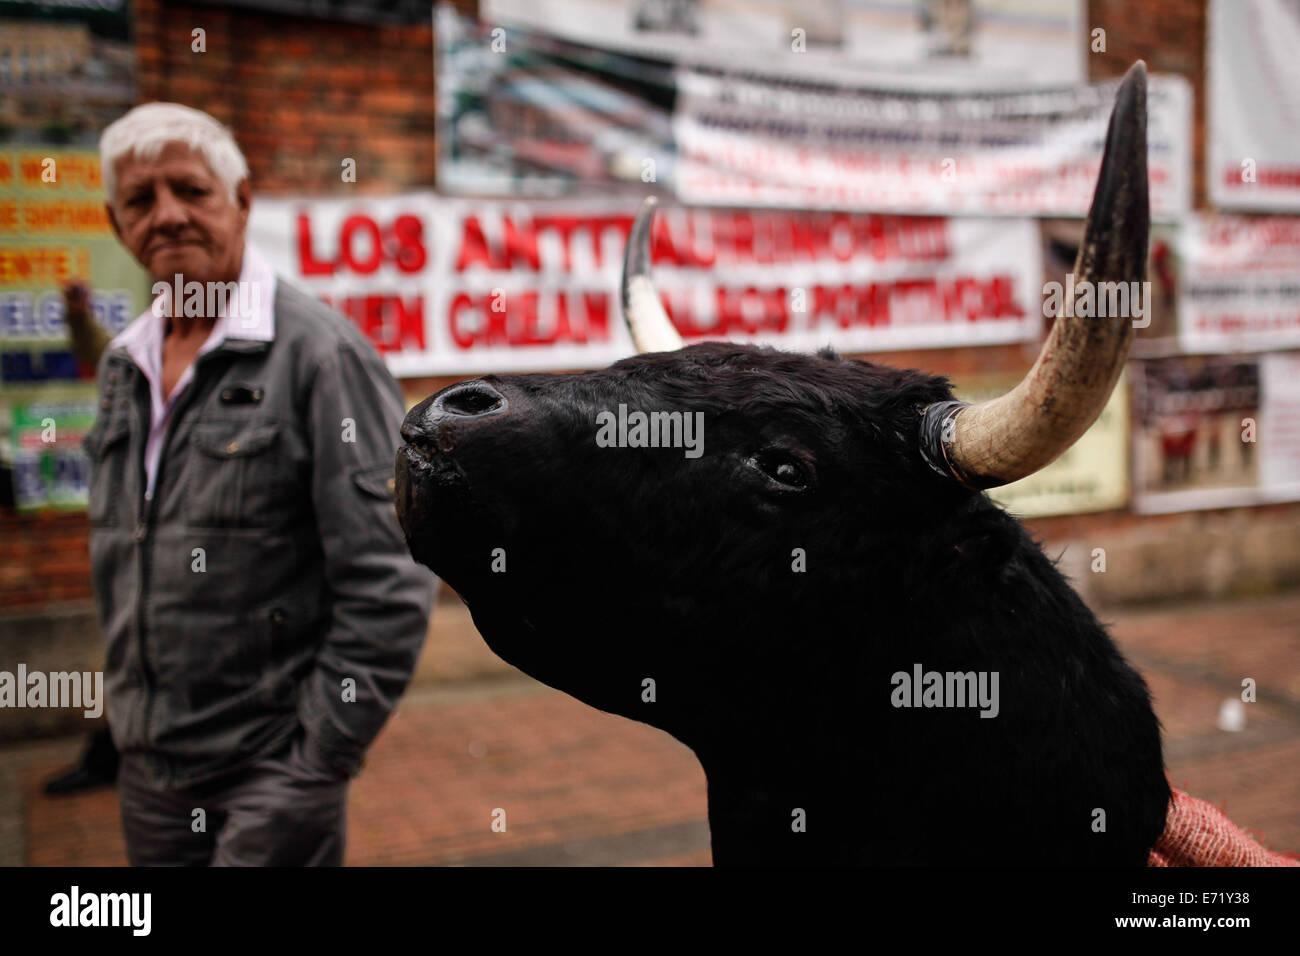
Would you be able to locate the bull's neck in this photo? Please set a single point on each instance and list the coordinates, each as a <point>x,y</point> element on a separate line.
<point>783,791</point>
<point>782,816</point>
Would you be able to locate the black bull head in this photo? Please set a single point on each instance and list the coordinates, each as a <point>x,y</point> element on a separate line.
<point>793,585</point>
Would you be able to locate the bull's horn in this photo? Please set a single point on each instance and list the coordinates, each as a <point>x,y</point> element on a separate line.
<point>1002,440</point>
<point>652,330</point>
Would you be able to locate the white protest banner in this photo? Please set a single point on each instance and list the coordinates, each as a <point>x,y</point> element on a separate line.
<point>371,258</point>
<point>1253,105</point>
<point>1279,426</point>
<point>752,139</point>
<point>794,280</point>
<point>456,286</point>
<point>1239,288</point>
<point>529,285</point>
<point>1025,42</point>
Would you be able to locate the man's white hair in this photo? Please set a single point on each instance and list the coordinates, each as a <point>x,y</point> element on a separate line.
<point>147,129</point>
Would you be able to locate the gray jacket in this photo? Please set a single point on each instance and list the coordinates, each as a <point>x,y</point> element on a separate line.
<point>278,464</point>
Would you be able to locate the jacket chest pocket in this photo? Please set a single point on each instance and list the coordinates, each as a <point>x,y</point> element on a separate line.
<point>106,448</point>
<point>236,475</point>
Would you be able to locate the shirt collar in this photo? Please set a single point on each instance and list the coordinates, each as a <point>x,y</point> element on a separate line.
<point>250,313</point>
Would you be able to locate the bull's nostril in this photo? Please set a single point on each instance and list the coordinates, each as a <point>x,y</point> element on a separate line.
<point>470,399</point>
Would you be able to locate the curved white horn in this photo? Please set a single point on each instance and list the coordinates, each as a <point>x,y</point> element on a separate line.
<point>1002,440</point>
<point>652,330</point>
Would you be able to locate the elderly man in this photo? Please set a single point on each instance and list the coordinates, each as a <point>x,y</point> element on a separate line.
<point>261,612</point>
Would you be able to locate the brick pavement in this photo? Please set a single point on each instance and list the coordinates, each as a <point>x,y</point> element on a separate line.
<point>580,787</point>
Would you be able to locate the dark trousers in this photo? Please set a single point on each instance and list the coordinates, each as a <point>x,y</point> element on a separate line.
<point>274,813</point>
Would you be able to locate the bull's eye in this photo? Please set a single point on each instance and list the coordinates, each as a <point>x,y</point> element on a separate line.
<point>784,468</point>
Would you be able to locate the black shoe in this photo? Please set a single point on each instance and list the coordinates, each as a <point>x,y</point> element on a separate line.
<point>96,768</point>
<point>78,778</point>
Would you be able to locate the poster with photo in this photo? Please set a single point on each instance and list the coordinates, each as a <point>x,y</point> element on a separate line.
<point>1092,474</point>
<point>67,69</point>
<point>1156,312</point>
<point>527,114</point>
<point>49,467</point>
<point>1197,433</point>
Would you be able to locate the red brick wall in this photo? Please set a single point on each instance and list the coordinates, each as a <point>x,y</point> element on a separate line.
<point>300,94</point>
<point>43,560</point>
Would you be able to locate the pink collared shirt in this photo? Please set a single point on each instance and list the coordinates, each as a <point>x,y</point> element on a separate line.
<point>250,314</point>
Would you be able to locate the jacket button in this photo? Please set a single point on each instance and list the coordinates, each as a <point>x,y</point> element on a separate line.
<point>232,448</point>
<point>141,530</point>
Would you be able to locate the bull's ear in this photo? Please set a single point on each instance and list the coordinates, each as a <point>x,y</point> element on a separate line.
<point>651,329</point>
<point>1005,439</point>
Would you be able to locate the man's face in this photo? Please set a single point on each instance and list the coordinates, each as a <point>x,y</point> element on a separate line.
<point>176,216</point>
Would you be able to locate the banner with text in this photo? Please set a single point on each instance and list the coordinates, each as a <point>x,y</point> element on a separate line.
<point>749,139</point>
<point>1253,105</point>
<point>1021,42</point>
<point>458,287</point>
<point>53,228</point>
<point>1239,287</point>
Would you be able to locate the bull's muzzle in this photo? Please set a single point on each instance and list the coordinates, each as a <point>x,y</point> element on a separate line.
<point>439,419</point>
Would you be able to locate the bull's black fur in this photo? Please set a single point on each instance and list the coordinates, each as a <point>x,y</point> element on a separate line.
<point>625,564</point>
